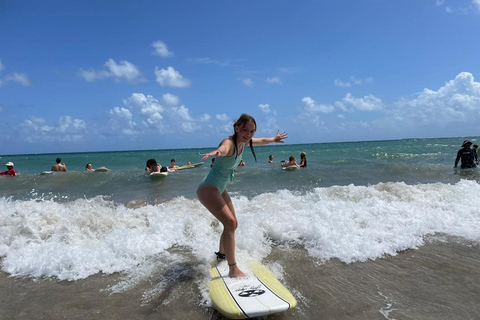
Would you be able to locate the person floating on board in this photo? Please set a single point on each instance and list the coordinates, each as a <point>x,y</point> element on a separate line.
<point>59,166</point>
<point>10,171</point>
<point>291,162</point>
<point>468,155</point>
<point>152,166</point>
<point>303,160</point>
<point>212,191</point>
<point>172,164</point>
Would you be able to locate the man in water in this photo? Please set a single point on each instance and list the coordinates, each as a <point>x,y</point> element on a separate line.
<point>468,155</point>
<point>59,166</point>
<point>10,171</point>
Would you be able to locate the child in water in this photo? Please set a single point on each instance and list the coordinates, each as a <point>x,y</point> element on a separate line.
<point>291,162</point>
<point>212,191</point>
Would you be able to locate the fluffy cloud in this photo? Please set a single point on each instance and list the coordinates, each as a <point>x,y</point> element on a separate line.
<point>119,71</point>
<point>270,124</point>
<point>169,117</point>
<point>264,107</point>
<point>312,107</point>
<point>222,117</point>
<point>171,78</point>
<point>457,101</point>
<point>367,103</point>
<point>161,49</point>
<point>67,130</point>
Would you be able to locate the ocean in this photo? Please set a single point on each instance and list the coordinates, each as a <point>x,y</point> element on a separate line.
<point>369,230</point>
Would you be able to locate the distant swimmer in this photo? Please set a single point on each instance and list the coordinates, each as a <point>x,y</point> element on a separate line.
<point>59,166</point>
<point>88,167</point>
<point>270,159</point>
<point>291,162</point>
<point>10,171</point>
<point>172,164</point>
<point>303,160</point>
<point>468,156</point>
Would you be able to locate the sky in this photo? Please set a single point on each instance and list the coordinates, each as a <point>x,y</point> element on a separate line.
<point>81,76</point>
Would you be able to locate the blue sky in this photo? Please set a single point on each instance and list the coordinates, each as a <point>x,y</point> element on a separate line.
<point>124,75</point>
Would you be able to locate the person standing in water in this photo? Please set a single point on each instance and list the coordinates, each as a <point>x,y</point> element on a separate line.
<point>467,155</point>
<point>212,191</point>
<point>59,166</point>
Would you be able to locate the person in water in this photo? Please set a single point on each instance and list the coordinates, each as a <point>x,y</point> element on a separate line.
<point>303,160</point>
<point>172,164</point>
<point>475,147</point>
<point>59,166</point>
<point>10,171</point>
<point>291,162</point>
<point>270,159</point>
<point>468,156</point>
<point>88,167</point>
<point>152,166</point>
<point>212,191</point>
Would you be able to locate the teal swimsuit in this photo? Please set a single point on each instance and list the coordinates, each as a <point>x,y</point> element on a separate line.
<point>222,171</point>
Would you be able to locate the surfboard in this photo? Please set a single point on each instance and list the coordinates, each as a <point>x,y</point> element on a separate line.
<point>185,167</point>
<point>156,175</point>
<point>196,165</point>
<point>257,295</point>
<point>290,168</point>
<point>101,169</point>
<point>45,172</point>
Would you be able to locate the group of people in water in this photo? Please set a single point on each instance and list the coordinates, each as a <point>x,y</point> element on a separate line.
<point>467,155</point>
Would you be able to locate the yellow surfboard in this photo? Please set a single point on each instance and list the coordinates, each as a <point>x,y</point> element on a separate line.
<point>257,295</point>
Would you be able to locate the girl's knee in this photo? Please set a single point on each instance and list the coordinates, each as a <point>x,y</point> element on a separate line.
<point>231,224</point>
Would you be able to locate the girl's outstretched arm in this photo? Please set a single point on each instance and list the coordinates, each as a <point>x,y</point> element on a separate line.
<point>278,138</point>
<point>221,151</point>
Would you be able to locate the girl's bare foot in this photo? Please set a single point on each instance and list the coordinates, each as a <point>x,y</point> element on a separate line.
<point>235,272</point>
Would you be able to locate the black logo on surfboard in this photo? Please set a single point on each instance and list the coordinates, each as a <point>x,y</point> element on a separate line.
<point>251,293</point>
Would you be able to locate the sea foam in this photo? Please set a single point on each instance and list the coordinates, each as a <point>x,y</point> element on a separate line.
<point>78,239</point>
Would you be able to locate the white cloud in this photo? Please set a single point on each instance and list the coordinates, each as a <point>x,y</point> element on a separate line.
<point>476,3</point>
<point>170,99</point>
<point>367,103</point>
<point>92,75</point>
<point>161,49</point>
<point>274,80</point>
<point>122,71</point>
<point>21,78</point>
<point>248,82</point>
<point>342,84</point>
<point>205,117</point>
<point>67,130</point>
<point>222,117</point>
<point>149,108</point>
<point>312,107</point>
<point>264,107</point>
<point>457,101</point>
<point>171,78</point>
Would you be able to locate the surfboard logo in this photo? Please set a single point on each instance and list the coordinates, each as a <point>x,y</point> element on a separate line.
<point>251,293</point>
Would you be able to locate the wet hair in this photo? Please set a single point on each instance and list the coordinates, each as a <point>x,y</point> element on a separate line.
<point>475,145</point>
<point>243,120</point>
<point>172,160</point>
<point>292,158</point>
<point>59,160</point>
<point>151,162</point>
<point>303,155</point>
<point>87,165</point>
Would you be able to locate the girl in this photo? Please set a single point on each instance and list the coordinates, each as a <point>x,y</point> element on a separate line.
<point>212,190</point>
<point>303,160</point>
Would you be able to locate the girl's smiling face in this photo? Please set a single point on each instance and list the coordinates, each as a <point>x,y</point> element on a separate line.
<point>245,132</point>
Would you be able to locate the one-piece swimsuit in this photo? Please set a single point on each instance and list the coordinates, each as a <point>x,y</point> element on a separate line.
<point>223,170</point>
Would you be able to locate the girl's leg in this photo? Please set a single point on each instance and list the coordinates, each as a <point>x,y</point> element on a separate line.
<point>228,202</point>
<point>216,204</point>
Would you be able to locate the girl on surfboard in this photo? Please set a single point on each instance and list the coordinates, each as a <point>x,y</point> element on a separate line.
<point>212,191</point>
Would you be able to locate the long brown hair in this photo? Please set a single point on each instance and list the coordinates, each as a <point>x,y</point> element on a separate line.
<point>244,119</point>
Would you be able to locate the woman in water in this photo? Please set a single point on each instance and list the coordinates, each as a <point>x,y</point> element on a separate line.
<point>212,191</point>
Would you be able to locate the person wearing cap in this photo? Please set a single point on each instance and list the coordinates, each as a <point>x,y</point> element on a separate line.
<point>10,171</point>
<point>468,155</point>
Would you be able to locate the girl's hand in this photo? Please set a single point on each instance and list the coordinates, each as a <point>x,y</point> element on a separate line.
<point>280,136</point>
<point>215,153</point>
